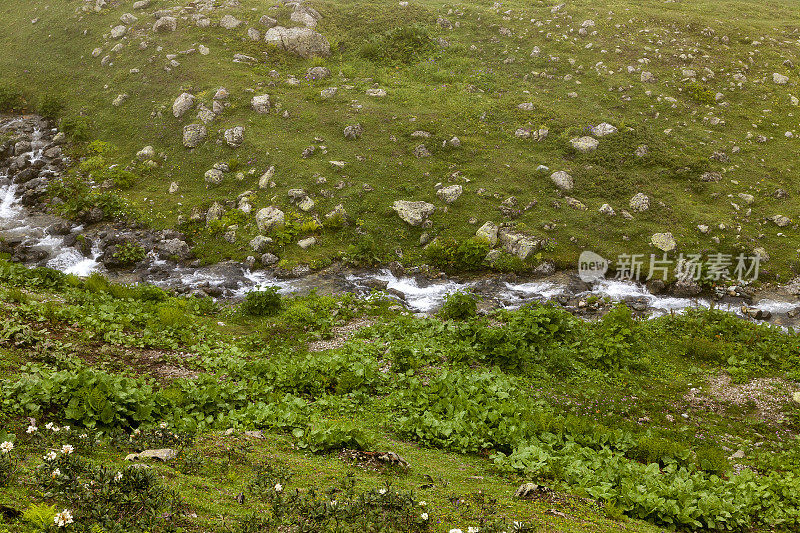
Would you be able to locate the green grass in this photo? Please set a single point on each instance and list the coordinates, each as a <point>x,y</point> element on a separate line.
<point>459,91</point>
<point>444,394</point>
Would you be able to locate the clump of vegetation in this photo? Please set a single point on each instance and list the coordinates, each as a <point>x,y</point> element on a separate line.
<point>11,98</point>
<point>700,93</point>
<point>262,303</point>
<point>50,105</point>
<point>404,44</point>
<point>129,253</point>
<point>458,306</point>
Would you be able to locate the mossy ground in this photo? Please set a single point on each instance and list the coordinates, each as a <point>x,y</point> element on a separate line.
<point>470,89</point>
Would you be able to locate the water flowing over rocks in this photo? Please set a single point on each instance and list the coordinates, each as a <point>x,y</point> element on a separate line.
<point>33,156</point>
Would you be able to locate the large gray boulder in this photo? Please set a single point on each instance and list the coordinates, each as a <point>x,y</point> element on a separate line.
<point>413,213</point>
<point>269,218</point>
<point>518,244</point>
<point>488,233</point>
<point>303,42</point>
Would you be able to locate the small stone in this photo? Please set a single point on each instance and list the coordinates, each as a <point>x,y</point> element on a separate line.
<point>450,193</point>
<point>780,79</point>
<point>193,135</point>
<point>640,202</point>
<point>585,144</point>
<point>234,137</point>
<point>562,180</point>
<point>307,243</point>
<point>164,454</point>
<point>229,22</point>
<point>117,32</point>
<point>165,25</point>
<point>663,241</point>
<point>260,104</point>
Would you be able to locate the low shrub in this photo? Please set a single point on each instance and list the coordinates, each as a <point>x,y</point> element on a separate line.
<point>459,306</point>
<point>261,303</point>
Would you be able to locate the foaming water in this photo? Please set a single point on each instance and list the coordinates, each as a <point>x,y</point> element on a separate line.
<point>16,221</point>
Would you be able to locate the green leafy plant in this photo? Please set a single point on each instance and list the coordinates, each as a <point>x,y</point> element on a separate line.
<point>458,306</point>
<point>261,303</point>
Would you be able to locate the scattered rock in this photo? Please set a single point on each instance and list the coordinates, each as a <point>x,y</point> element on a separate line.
<point>585,144</point>
<point>182,104</point>
<point>353,132</point>
<point>663,241</point>
<point>413,213</point>
<point>780,79</point>
<point>164,454</point>
<point>260,104</point>
<point>234,137</point>
<point>307,243</point>
<point>603,129</point>
<point>318,73</point>
<point>488,233</point>
<point>269,218</point>
<point>304,42</point>
<point>229,22</point>
<point>562,180</point>
<point>193,135</point>
<point>148,152</point>
<point>165,25</point>
<point>640,202</point>
<point>781,221</point>
<point>450,193</point>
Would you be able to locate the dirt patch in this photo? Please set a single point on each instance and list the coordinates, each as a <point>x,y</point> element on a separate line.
<point>769,396</point>
<point>341,334</point>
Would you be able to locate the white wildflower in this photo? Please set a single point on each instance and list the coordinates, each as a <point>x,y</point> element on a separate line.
<point>381,491</point>
<point>67,449</point>
<point>423,503</point>
<point>63,519</point>
<point>456,531</point>
<point>6,447</point>
<point>471,529</point>
<point>424,516</point>
<point>49,425</point>
<point>334,503</point>
<point>83,436</point>
<point>163,425</point>
<point>65,428</point>
<point>32,429</point>
<point>50,456</point>
<point>278,487</point>
<point>55,473</point>
<point>118,477</point>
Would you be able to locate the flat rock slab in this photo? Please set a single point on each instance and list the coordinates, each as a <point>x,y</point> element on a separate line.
<point>164,454</point>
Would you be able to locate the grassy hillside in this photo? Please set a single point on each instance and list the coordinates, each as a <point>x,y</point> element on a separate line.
<point>276,409</point>
<point>459,69</point>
